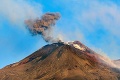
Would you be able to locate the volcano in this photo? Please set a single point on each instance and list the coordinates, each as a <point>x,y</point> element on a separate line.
<point>61,61</point>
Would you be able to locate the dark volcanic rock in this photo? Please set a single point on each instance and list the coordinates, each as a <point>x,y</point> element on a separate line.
<point>59,61</point>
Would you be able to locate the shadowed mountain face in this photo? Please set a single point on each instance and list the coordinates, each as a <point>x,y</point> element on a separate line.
<point>60,61</point>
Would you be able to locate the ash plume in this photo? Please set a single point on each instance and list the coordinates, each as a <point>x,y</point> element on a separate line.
<point>44,26</point>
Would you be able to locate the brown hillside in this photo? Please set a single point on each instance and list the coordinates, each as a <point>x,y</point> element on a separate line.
<point>58,61</point>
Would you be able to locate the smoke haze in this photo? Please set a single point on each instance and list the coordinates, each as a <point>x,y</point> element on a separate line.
<point>44,26</point>
<point>103,58</point>
<point>19,11</point>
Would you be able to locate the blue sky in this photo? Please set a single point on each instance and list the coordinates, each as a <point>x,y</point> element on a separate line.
<point>93,22</point>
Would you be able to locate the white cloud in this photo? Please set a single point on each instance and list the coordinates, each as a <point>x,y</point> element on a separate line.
<point>17,11</point>
<point>92,12</point>
<point>93,16</point>
<point>107,14</point>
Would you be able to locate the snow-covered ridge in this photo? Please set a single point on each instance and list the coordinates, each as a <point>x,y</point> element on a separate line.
<point>77,45</point>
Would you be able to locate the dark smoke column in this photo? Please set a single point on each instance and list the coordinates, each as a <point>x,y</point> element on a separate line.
<point>43,26</point>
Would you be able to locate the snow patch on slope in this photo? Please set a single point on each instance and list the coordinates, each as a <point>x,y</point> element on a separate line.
<point>78,46</point>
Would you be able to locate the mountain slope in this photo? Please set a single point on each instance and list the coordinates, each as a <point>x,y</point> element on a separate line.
<point>59,61</point>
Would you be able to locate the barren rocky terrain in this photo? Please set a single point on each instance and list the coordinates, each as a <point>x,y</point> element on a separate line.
<point>60,61</point>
